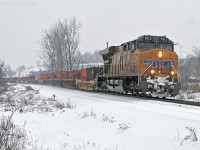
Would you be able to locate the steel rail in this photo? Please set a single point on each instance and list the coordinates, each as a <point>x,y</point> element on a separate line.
<point>165,100</point>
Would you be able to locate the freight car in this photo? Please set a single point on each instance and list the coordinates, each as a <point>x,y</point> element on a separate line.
<point>146,66</point>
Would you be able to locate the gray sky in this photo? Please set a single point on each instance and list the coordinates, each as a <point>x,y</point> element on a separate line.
<point>115,21</point>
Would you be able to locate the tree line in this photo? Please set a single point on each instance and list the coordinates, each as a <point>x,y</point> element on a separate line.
<point>189,69</point>
<point>2,73</point>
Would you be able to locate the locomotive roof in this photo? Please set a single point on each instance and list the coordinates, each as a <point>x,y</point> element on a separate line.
<point>110,49</point>
<point>151,38</point>
<point>144,38</point>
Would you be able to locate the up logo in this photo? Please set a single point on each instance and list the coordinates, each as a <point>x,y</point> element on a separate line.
<point>158,63</point>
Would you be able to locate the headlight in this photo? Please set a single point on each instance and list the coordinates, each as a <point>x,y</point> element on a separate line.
<point>152,71</point>
<point>172,72</point>
<point>160,54</point>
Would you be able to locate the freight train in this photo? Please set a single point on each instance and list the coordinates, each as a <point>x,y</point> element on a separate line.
<point>146,66</point>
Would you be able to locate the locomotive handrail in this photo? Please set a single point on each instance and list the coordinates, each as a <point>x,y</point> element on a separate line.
<point>179,76</point>
<point>139,80</point>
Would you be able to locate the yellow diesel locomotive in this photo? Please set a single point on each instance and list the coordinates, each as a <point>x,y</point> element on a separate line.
<point>146,66</point>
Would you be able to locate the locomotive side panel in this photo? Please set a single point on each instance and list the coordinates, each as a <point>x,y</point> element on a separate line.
<point>122,63</point>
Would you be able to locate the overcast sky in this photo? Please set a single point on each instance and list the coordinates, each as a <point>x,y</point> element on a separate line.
<point>115,21</point>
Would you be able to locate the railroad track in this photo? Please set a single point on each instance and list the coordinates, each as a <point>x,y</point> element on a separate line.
<point>166,100</point>
<point>176,101</point>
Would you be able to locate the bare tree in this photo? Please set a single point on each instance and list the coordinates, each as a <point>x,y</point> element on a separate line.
<point>196,51</point>
<point>2,74</point>
<point>87,57</point>
<point>94,57</point>
<point>185,70</point>
<point>20,70</point>
<point>48,50</point>
<point>72,40</point>
<point>60,45</point>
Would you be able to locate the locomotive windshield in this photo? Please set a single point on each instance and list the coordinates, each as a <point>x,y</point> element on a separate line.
<point>146,45</point>
<point>151,42</point>
<point>165,46</point>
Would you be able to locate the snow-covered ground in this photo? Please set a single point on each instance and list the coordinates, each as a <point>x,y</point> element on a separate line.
<point>108,122</point>
<point>188,96</point>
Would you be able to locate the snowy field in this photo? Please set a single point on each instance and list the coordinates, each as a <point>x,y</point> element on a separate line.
<point>188,96</point>
<point>64,119</point>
